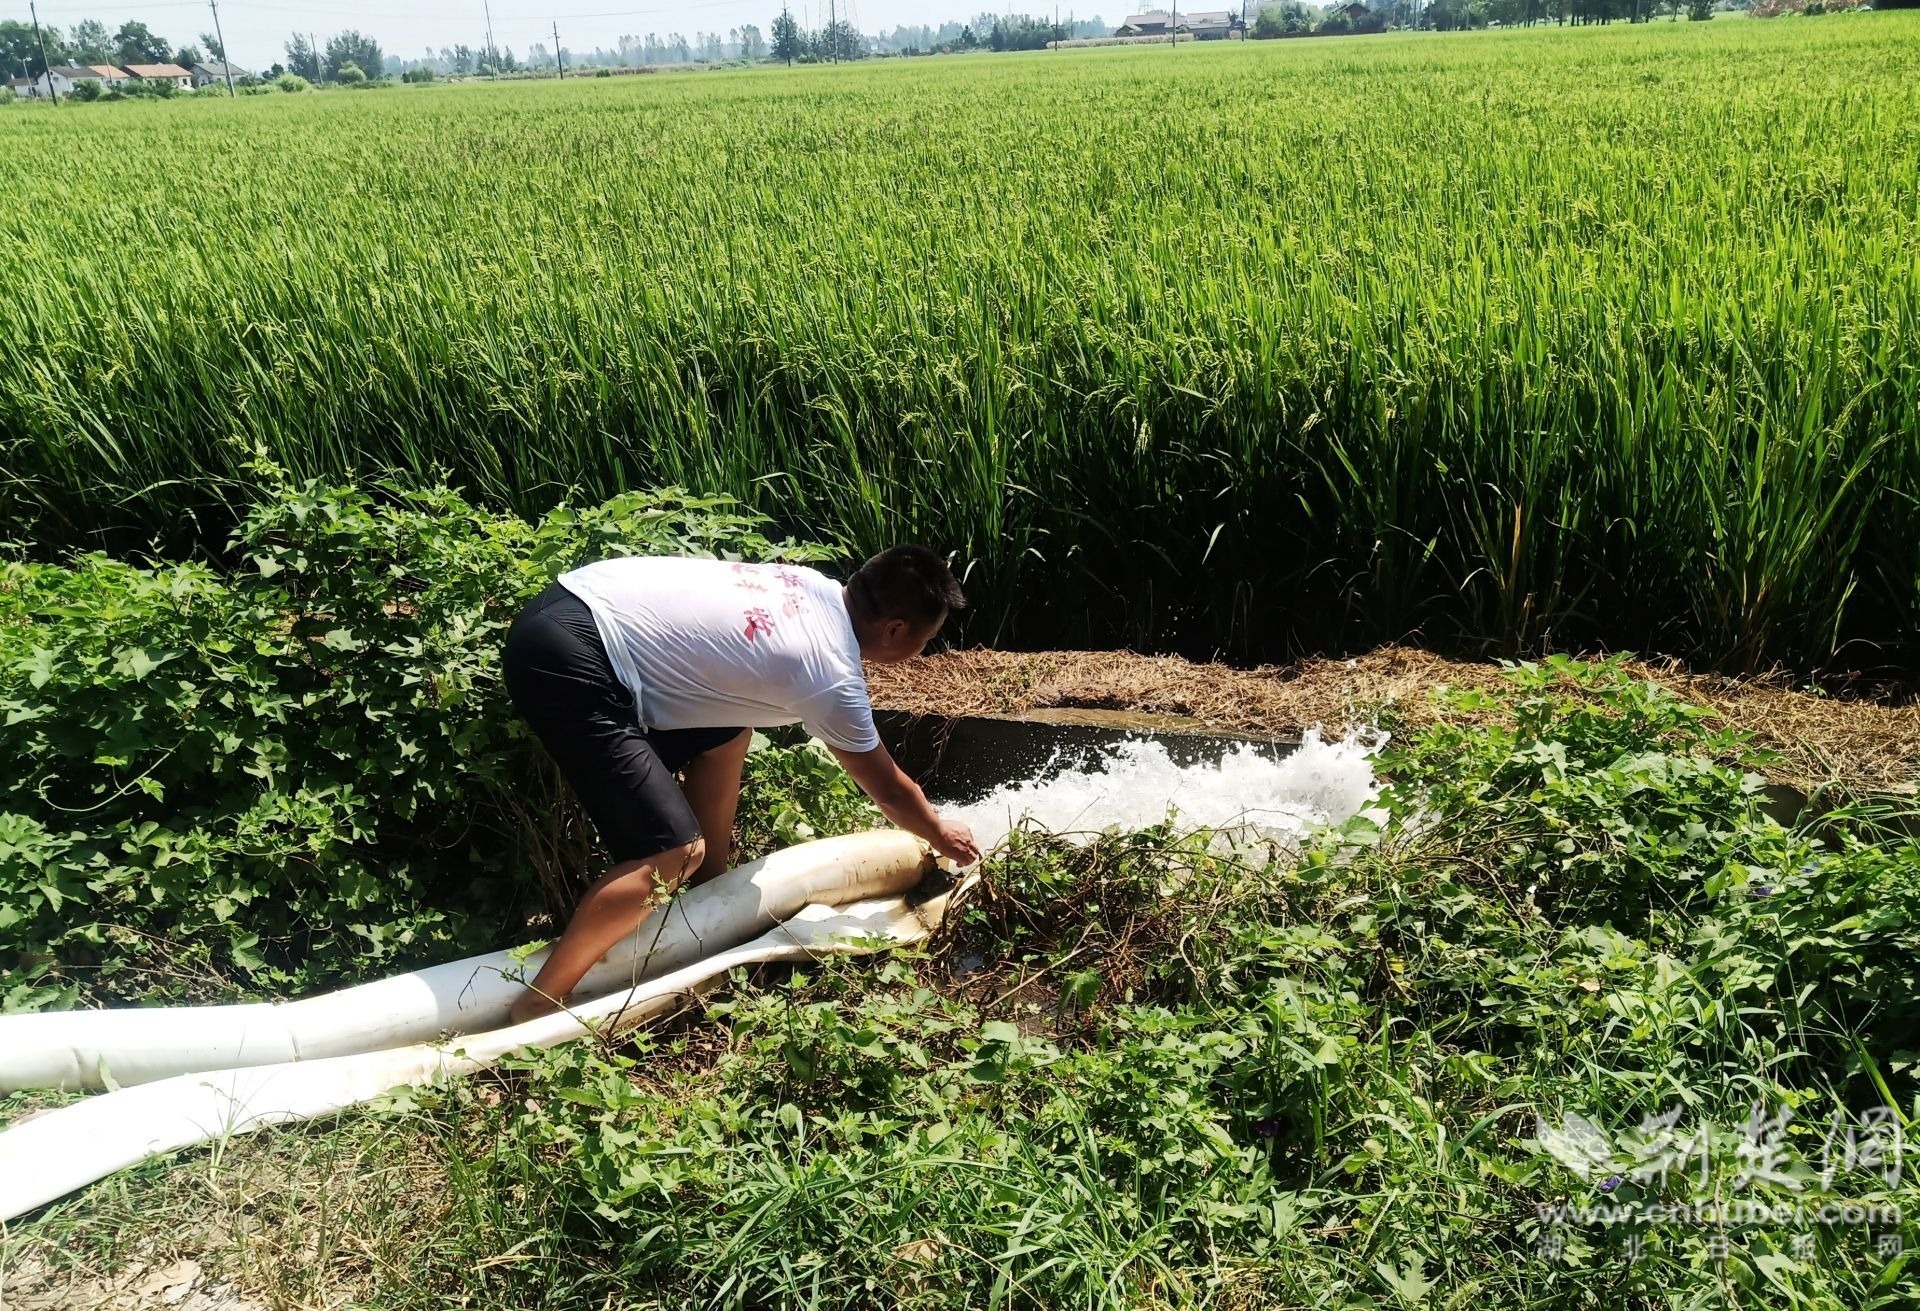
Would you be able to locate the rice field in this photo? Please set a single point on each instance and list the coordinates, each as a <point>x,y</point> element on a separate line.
<point>1595,337</point>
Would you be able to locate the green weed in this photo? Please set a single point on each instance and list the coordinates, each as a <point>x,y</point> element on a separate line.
<point>1578,968</point>
<point>306,769</point>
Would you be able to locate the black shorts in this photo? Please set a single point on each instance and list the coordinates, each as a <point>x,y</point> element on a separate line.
<point>563,684</point>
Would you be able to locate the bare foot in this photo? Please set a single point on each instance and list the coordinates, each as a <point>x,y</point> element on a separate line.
<point>531,1005</point>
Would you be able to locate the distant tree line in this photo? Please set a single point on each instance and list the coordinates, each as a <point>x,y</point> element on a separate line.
<point>992,32</point>
<point>89,42</point>
<point>349,58</point>
<point>652,49</point>
<point>838,40</point>
<point>1287,18</point>
<point>794,44</point>
<point>353,58</point>
<point>786,40</point>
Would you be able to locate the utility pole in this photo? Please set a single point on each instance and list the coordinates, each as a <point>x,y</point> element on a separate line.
<point>783,27</point>
<point>314,46</point>
<point>558,60</point>
<point>833,30</point>
<point>46,69</point>
<point>1174,35</point>
<point>493,60</point>
<point>226,64</point>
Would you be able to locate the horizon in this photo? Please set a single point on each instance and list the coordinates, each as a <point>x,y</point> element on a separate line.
<point>257,34</point>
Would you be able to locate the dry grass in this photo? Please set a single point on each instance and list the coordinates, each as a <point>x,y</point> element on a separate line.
<point>1819,740</point>
<point>353,1210</point>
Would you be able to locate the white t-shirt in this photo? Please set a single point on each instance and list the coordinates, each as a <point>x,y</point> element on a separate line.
<point>710,644</point>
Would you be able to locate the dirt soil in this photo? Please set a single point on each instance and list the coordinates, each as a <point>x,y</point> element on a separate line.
<point>175,1285</point>
<point>1819,740</point>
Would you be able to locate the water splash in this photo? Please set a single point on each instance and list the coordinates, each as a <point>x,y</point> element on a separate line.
<point>1136,784</point>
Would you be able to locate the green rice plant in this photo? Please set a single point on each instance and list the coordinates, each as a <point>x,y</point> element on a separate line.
<point>1597,336</point>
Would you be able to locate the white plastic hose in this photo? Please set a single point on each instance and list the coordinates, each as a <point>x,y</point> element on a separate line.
<point>55,1153</point>
<point>75,1050</point>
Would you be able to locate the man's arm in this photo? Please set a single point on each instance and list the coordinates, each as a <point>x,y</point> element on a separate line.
<point>901,800</point>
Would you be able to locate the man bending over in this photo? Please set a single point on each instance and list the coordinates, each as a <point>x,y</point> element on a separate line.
<point>635,670</point>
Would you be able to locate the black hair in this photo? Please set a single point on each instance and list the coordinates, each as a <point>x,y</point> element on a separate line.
<point>905,582</point>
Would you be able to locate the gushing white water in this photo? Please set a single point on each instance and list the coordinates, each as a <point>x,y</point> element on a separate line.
<point>1135,784</point>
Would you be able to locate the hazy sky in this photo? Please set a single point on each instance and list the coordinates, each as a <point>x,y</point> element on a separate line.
<point>257,30</point>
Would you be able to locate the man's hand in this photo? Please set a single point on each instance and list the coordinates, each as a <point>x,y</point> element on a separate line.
<point>902,801</point>
<point>954,840</point>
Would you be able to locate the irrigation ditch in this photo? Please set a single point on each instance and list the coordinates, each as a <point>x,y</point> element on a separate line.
<point>1815,744</point>
<point>963,723</point>
<point>960,758</point>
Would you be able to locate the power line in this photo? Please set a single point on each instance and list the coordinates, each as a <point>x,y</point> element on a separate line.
<point>640,13</point>
<point>90,9</point>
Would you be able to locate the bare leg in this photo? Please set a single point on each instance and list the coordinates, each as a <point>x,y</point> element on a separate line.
<point>612,908</point>
<point>712,785</point>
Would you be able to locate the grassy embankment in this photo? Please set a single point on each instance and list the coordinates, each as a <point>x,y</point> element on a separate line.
<point>1143,1072</point>
<point>1147,1073</point>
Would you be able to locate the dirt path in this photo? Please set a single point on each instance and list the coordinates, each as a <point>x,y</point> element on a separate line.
<point>1819,740</point>
<point>179,1285</point>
